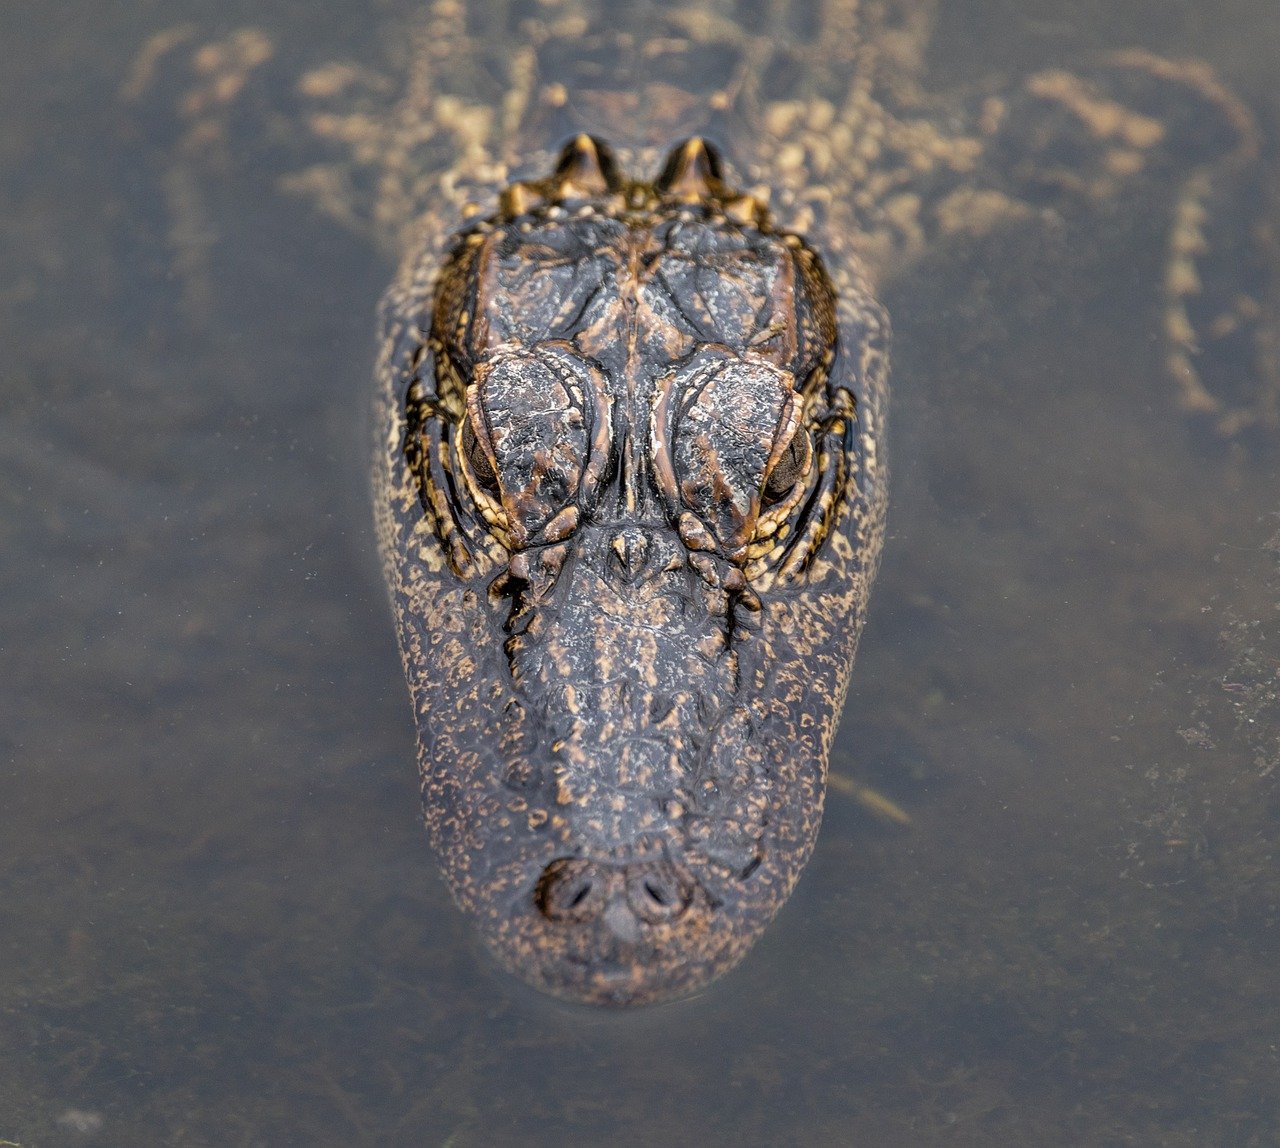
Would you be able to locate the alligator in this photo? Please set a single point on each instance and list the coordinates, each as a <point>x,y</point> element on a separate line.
<point>630,476</point>
<point>631,504</point>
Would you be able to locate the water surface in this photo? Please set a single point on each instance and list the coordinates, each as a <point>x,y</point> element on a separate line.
<point>220,922</point>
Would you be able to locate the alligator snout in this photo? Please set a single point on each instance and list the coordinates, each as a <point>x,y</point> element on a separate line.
<point>616,931</point>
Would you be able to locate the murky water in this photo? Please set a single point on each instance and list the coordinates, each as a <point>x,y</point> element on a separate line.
<point>220,922</point>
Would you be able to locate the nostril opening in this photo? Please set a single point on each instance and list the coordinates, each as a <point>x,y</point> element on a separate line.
<point>658,893</point>
<point>567,890</point>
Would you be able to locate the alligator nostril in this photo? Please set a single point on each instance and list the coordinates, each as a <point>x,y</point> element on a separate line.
<point>568,890</point>
<point>657,892</point>
<point>576,890</point>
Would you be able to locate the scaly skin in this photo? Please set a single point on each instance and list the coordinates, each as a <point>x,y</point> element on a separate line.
<point>626,684</point>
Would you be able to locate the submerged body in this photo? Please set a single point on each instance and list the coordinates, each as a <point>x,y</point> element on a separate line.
<point>630,403</point>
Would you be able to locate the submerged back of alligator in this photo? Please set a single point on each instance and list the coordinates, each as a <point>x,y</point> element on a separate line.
<point>629,493</point>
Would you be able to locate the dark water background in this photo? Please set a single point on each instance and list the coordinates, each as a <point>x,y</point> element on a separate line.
<point>220,922</point>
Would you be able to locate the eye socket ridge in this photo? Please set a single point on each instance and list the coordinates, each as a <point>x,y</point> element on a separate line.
<point>729,446</point>
<point>533,440</point>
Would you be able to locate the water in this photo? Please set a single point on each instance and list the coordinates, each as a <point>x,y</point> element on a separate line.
<point>220,921</point>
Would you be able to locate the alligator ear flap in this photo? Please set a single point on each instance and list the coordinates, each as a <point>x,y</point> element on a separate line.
<point>692,173</point>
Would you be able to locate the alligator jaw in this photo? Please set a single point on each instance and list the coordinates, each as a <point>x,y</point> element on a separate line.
<point>625,783</point>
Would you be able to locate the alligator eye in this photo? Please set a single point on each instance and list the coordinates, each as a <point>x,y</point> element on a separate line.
<point>789,469</point>
<point>481,468</point>
<point>536,435</point>
<point>723,425</point>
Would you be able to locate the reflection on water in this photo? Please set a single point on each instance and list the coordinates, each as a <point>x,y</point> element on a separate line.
<point>221,921</point>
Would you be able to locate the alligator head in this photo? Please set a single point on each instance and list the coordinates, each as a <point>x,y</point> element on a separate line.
<point>630,511</point>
